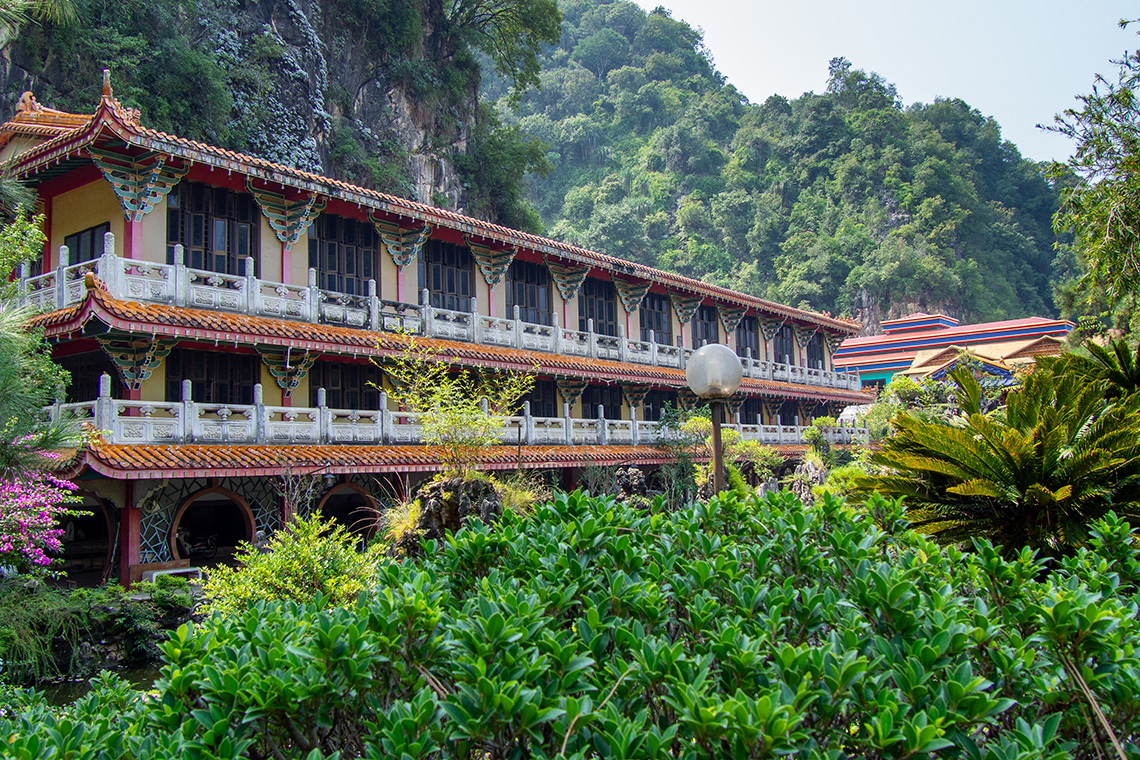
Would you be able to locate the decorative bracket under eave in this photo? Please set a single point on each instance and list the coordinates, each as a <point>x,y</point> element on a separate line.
<point>492,263</point>
<point>805,334</point>
<point>769,327</point>
<point>834,342</point>
<point>630,293</point>
<point>634,393</point>
<point>290,220</point>
<point>140,182</point>
<point>288,367</point>
<point>730,316</point>
<point>402,244</point>
<point>571,389</point>
<point>135,357</point>
<point>685,306</point>
<point>568,278</point>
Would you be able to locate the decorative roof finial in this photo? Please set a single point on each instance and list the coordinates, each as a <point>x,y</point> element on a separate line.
<point>107,84</point>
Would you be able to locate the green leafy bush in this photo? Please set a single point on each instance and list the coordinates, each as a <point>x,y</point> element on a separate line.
<point>741,628</point>
<point>310,558</point>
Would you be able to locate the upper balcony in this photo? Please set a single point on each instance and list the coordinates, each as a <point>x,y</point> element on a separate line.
<point>178,285</point>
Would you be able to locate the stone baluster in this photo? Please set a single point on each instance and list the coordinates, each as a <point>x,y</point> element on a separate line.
<point>603,428</point>
<point>385,419</point>
<point>653,347</point>
<point>314,297</point>
<point>110,269</point>
<point>105,408</point>
<point>749,362</point>
<point>592,338</point>
<point>324,417</point>
<point>374,318</point>
<point>623,345</point>
<point>427,314</point>
<point>556,332</point>
<point>252,288</point>
<point>517,339</point>
<point>181,277</point>
<point>528,423</point>
<point>476,335</point>
<point>568,423</point>
<point>60,278</point>
<point>189,413</point>
<point>260,416</point>
<point>633,426</point>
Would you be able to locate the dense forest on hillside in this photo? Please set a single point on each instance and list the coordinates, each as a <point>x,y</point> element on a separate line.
<point>844,200</point>
<point>633,145</point>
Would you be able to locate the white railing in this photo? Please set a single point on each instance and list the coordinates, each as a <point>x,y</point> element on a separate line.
<point>180,285</point>
<point>188,421</point>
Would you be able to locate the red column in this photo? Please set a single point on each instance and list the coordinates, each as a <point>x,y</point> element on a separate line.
<point>400,284</point>
<point>130,533</point>
<point>133,246</point>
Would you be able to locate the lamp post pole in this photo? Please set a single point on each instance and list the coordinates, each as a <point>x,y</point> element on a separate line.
<point>716,407</point>
<point>714,373</point>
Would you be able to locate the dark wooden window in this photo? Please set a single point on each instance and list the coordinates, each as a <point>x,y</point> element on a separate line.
<point>347,386</point>
<point>218,377</point>
<point>598,301</point>
<point>783,346</point>
<point>217,227</point>
<point>544,400</point>
<point>448,272</point>
<point>748,336</point>
<point>528,287</point>
<point>88,244</point>
<point>788,412</point>
<point>655,401</point>
<point>705,326</point>
<point>343,251</point>
<point>657,315</point>
<point>751,410</point>
<point>815,351</point>
<point>85,369</point>
<point>608,396</point>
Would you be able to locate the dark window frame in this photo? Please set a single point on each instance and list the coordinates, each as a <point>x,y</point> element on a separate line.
<point>657,314</point>
<point>784,344</point>
<point>447,272</point>
<point>748,336</point>
<point>704,326</point>
<point>347,385</point>
<point>86,245</point>
<point>85,369</point>
<point>528,287</point>
<point>218,228</point>
<point>609,396</point>
<point>217,377</point>
<point>597,300</point>
<point>344,252</point>
<point>814,351</point>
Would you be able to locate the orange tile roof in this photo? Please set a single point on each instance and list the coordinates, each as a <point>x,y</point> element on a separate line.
<point>221,327</point>
<point>141,462</point>
<point>112,119</point>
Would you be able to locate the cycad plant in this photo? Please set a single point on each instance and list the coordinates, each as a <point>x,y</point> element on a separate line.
<point>1060,456</point>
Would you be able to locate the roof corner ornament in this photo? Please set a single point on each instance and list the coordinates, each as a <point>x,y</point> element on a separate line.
<point>107,93</point>
<point>28,103</point>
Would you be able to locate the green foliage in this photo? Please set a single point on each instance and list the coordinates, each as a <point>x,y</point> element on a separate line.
<point>311,559</point>
<point>745,628</point>
<point>462,413</point>
<point>1058,457</point>
<point>21,240</point>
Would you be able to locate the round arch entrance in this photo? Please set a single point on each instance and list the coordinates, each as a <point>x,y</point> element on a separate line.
<point>353,507</point>
<point>88,541</point>
<point>211,513</point>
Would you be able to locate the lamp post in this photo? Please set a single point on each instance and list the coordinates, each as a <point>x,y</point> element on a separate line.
<point>714,373</point>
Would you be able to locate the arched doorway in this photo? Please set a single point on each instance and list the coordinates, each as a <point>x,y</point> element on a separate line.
<point>88,540</point>
<point>353,507</point>
<point>211,513</point>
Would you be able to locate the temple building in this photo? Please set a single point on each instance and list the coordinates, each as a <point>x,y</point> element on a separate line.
<point>226,320</point>
<point>929,345</point>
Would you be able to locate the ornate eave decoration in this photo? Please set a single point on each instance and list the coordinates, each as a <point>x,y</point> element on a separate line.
<point>135,357</point>
<point>492,263</point>
<point>635,393</point>
<point>730,316</point>
<point>630,293</point>
<point>568,278</point>
<point>290,220</point>
<point>805,334</point>
<point>834,342</point>
<point>287,367</point>
<point>140,182</point>
<point>685,305</point>
<point>403,244</point>
<point>770,326</point>
<point>571,389</point>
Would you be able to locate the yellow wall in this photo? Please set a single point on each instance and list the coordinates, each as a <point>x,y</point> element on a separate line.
<point>154,387</point>
<point>153,235</point>
<point>85,207</point>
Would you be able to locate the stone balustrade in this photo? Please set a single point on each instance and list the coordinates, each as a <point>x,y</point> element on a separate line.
<point>188,421</point>
<point>179,285</point>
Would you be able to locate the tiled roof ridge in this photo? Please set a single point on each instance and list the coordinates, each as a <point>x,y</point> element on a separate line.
<point>957,331</point>
<point>99,303</point>
<point>125,124</point>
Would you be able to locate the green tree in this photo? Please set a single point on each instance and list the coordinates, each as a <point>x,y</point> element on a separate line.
<point>1035,474</point>
<point>511,32</point>
<point>602,52</point>
<point>1102,211</point>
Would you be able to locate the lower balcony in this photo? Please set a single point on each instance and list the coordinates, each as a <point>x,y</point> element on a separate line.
<point>187,421</point>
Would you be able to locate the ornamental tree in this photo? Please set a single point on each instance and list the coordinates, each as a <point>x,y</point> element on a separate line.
<point>32,509</point>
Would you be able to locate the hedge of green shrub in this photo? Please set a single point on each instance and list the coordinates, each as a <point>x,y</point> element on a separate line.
<point>740,629</point>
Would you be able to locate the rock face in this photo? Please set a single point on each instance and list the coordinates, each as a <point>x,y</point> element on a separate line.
<point>448,504</point>
<point>316,84</point>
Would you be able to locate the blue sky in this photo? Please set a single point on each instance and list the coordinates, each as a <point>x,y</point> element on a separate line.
<point>1019,62</point>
